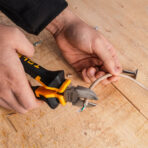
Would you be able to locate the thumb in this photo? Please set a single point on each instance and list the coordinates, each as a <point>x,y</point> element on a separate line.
<point>106,52</point>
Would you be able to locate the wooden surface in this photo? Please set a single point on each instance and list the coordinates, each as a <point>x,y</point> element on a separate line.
<point>120,120</point>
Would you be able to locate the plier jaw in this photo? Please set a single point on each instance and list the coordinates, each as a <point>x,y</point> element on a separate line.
<point>54,87</point>
<point>78,96</point>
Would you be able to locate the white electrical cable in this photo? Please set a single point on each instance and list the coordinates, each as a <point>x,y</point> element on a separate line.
<point>96,82</point>
<point>121,75</point>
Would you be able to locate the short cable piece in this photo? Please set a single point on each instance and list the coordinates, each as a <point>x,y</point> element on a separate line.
<point>92,86</point>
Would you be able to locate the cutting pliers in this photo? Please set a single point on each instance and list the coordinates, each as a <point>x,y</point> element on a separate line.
<point>54,87</point>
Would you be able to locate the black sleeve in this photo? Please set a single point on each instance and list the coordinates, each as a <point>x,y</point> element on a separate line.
<point>32,15</point>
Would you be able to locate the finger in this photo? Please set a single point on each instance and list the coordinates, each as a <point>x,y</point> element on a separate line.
<point>11,100</point>
<point>106,52</point>
<point>105,82</point>
<point>20,86</point>
<point>25,95</point>
<point>99,75</point>
<point>103,68</point>
<point>27,100</point>
<point>84,76</point>
<point>117,63</point>
<point>86,63</point>
<point>91,74</point>
<point>4,104</point>
<point>110,79</point>
<point>113,78</point>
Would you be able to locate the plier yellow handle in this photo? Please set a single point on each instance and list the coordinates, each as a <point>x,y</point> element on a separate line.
<point>53,83</point>
<point>48,92</point>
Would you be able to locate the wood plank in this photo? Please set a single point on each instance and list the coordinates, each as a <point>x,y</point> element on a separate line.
<point>125,24</point>
<point>113,123</point>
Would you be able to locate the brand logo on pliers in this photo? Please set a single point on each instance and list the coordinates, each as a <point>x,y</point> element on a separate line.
<point>29,61</point>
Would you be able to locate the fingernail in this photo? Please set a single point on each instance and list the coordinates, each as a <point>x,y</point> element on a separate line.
<point>91,73</point>
<point>23,111</point>
<point>117,69</point>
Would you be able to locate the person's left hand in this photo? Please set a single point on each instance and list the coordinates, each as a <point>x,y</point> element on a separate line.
<point>87,50</point>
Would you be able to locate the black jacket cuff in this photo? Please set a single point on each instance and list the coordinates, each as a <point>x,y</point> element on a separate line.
<point>32,15</point>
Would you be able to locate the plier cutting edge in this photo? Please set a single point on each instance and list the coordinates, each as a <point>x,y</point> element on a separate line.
<point>55,88</point>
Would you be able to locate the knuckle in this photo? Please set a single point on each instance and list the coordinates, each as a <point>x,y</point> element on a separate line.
<point>29,107</point>
<point>23,111</point>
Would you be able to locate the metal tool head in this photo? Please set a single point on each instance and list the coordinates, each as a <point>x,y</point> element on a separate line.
<point>78,95</point>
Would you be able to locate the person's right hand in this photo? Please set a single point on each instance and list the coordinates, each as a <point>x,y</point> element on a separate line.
<point>84,48</point>
<point>15,91</point>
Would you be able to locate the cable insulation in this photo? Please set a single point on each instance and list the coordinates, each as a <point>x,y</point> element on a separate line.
<point>96,82</point>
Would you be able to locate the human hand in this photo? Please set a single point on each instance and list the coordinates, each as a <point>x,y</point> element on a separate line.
<point>15,91</point>
<point>85,48</point>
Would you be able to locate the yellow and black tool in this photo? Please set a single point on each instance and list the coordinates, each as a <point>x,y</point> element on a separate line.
<point>54,87</point>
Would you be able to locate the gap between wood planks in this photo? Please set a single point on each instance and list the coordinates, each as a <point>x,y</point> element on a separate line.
<point>129,101</point>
